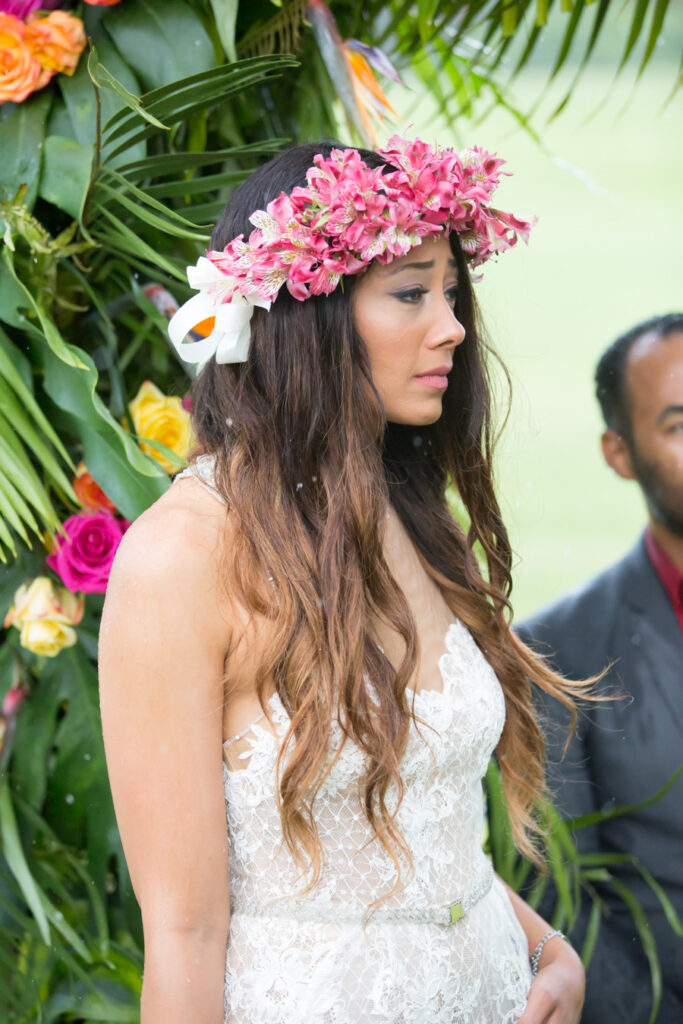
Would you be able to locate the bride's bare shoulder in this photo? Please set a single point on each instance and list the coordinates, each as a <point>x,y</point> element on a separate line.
<point>176,547</point>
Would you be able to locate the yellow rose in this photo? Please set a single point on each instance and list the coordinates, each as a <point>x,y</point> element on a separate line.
<point>162,418</point>
<point>47,638</point>
<point>45,615</point>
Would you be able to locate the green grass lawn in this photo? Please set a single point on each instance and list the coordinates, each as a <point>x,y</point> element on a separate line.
<point>606,253</point>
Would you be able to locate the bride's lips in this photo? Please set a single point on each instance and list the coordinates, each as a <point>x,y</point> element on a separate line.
<point>436,378</point>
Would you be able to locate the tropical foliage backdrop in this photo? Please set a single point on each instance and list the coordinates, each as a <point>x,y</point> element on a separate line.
<point>123,126</point>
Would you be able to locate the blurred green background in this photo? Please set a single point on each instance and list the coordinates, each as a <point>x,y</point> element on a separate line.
<point>605,254</point>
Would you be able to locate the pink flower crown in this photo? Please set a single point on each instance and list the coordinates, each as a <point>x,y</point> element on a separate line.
<point>347,215</point>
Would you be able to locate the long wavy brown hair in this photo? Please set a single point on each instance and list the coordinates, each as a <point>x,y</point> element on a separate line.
<point>307,463</point>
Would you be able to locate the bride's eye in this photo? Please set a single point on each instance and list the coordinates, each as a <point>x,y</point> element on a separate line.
<point>452,294</point>
<point>411,295</point>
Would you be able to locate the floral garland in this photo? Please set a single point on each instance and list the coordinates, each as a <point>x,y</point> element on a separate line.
<point>347,215</point>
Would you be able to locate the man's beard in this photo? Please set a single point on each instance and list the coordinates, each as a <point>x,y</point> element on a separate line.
<point>664,499</point>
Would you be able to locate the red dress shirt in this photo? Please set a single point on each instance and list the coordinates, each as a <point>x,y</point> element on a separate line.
<point>671,577</point>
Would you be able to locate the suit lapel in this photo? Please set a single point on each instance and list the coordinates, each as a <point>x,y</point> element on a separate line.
<point>651,634</point>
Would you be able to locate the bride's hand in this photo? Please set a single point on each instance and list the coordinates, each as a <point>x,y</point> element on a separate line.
<point>558,990</point>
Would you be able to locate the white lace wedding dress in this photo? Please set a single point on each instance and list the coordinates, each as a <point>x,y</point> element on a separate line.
<point>313,961</point>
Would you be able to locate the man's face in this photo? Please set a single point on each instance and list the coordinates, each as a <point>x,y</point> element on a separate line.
<point>654,395</point>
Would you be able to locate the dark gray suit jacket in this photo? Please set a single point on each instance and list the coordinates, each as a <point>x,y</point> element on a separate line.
<point>622,752</point>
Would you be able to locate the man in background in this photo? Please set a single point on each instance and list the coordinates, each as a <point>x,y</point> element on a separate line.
<point>629,620</point>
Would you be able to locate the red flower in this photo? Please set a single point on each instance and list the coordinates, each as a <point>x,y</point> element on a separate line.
<point>89,493</point>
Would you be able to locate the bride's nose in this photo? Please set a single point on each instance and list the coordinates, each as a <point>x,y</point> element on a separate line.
<point>445,328</point>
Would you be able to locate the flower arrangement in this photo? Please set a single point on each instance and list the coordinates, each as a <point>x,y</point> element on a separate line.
<point>162,418</point>
<point>83,554</point>
<point>33,48</point>
<point>83,558</point>
<point>45,616</point>
<point>89,493</point>
<point>32,51</point>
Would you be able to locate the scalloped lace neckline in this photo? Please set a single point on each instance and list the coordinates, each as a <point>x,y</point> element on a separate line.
<point>424,694</point>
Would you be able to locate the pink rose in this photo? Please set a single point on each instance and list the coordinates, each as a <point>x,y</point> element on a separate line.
<point>83,562</point>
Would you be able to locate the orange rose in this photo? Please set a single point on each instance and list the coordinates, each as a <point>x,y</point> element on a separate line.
<point>89,493</point>
<point>20,72</point>
<point>56,41</point>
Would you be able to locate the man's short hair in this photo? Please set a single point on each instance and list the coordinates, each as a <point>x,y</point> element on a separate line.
<point>610,373</point>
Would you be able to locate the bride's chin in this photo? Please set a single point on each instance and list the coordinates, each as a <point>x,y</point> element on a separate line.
<point>417,418</point>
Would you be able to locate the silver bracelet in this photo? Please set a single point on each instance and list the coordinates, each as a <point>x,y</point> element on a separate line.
<point>535,957</point>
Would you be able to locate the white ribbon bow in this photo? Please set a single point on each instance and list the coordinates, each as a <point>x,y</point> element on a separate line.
<point>231,335</point>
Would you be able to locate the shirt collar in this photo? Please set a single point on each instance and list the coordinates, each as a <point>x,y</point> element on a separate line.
<point>670,576</point>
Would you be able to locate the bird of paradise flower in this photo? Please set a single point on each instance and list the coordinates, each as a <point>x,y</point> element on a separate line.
<point>349,64</point>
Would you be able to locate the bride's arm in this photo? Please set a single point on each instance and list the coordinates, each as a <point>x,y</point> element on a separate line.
<point>160,667</point>
<point>557,992</point>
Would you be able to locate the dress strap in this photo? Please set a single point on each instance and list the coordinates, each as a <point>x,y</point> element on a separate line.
<point>241,735</point>
<point>203,470</point>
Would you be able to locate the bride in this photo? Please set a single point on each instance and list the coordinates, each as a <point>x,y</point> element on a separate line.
<point>300,635</point>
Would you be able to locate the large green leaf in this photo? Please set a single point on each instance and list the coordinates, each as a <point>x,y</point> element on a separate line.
<point>12,298</point>
<point>225,12</point>
<point>107,463</point>
<point>22,128</point>
<point>16,861</point>
<point>161,42</point>
<point>78,92</point>
<point>49,329</point>
<point>34,737</point>
<point>104,79</point>
<point>131,479</point>
<point>78,803</point>
<point>66,174</point>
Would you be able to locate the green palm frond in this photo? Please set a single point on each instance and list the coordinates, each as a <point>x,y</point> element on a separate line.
<point>151,215</point>
<point>578,877</point>
<point>26,506</point>
<point>125,212</point>
<point>279,34</point>
<point>473,37</point>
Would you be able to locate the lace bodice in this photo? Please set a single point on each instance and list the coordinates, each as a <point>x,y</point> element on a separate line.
<point>314,960</point>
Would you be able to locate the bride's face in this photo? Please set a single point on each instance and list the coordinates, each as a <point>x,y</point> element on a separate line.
<point>403,311</point>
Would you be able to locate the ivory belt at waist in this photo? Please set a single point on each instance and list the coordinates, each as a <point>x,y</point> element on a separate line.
<point>336,914</point>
